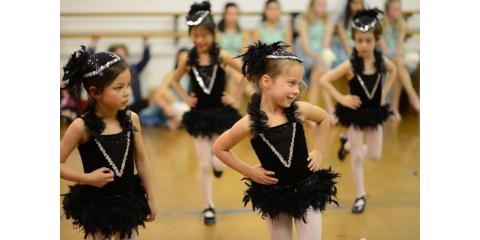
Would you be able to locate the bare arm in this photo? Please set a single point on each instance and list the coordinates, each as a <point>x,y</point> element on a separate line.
<point>340,72</point>
<point>401,37</point>
<point>328,35</point>
<point>256,34</point>
<point>246,38</point>
<point>141,159</point>
<point>235,64</point>
<point>321,118</point>
<point>230,138</point>
<point>304,38</point>
<point>74,135</point>
<point>142,164</point>
<point>391,75</point>
<point>343,37</point>
<point>179,72</point>
<point>288,35</point>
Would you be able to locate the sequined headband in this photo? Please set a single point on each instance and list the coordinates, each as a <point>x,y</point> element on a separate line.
<point>363,27</point>
<point>99,70</point>
<point>199,20</point>
<point>283,55</point>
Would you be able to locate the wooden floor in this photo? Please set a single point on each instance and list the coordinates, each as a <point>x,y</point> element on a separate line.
<point>392,184</point>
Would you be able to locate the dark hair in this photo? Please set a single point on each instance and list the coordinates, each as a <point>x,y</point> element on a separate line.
<point>358,65</point>
<point>264,17</point>
<point>81,62</point>
<point>193,15</point>
<point>207,22</point>
<point>221,24</point>
<point>256,64</point>
<point>348,13</point>
<point>115,47</point>
<point>366,17</point>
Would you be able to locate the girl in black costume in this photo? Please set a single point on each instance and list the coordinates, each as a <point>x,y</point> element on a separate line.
<point>363,111</point>
<point>109,200</point>
<point>211,108</point>
<point>288,183</point>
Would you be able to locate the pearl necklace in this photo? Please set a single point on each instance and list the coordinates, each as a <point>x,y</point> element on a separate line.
<point>369,95</point>
<point>124,160</point>
<point>290,154</point>
<point>200,79</point>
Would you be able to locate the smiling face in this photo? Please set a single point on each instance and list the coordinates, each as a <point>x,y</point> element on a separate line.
<point>202,38</point>
<point>284,88</point>
<point>115,95</point>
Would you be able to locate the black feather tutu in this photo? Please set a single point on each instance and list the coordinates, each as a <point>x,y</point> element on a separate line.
<point>363,117</point>
<point>118,207</point>
<point>210,121</point>
<point>315,191</point>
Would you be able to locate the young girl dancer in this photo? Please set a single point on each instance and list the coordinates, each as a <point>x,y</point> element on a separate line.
<point>288,183</point>
<point>109,200</point>
<point>364,110</point>
<point>211,111</point>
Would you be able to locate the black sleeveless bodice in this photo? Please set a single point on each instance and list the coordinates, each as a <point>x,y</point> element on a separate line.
<point>369,81</point>
<point>113,144</point>
<point>214,99</point>
<point>280,137</point>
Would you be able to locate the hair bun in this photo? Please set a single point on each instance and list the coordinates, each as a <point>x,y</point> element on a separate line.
<point>255,56</point>
<point>72,71</point>
<point>196,7</point>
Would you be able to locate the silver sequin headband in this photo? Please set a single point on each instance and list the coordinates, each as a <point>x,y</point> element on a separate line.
<point>99,70</point>
<point>199,20</point>
<point>365,27</point>
<point>284,57</point>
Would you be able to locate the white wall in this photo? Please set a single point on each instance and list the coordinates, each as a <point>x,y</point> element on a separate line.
<point>164,49</point>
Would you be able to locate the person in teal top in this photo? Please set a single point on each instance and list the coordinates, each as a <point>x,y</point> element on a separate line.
<point>232,38</point>
<point>392,44</point>
<point>271,29</point>
<point>315,31</point>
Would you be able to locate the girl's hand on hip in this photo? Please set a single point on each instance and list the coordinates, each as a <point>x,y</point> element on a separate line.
<point>351,101</point>
<point>262,176</point>
<point>100,177</point>
<point>315,159</point>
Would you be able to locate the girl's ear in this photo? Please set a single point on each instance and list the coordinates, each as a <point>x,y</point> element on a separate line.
<point>266,81</point>
<point>93,92</point>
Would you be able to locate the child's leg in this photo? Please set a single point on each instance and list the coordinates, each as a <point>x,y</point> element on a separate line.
<point>374,140</point>
<point>204,154</point>
<point>357,153</point>
<point>312,230</point>
<point>406,82</point>
<point>217,164</point>
<point>280,228</point>
<point>396,93</point>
